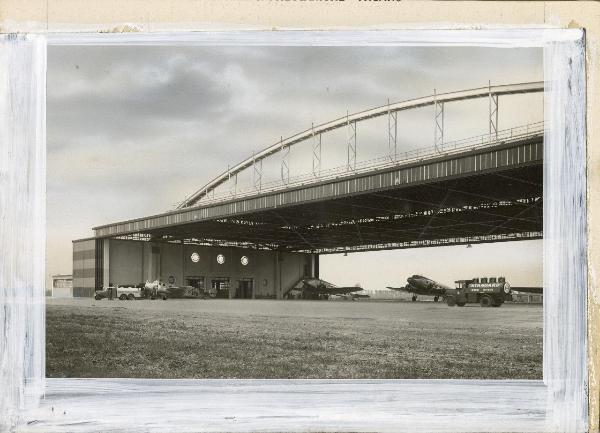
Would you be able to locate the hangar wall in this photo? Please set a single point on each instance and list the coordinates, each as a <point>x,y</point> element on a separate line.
<point>84,267</point>
<point>263,274</point>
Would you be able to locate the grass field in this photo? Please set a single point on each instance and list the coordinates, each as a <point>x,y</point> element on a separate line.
<point>291,339</point>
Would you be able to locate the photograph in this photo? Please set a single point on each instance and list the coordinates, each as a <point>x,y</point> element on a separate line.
<point>294,212</point>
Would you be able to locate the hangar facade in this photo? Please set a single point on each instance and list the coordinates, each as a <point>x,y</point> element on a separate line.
<point>227,272</point>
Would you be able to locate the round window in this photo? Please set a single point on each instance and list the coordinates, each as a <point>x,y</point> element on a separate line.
<point>244,260</point>
<point>220,259</point>
<point>195,257</point>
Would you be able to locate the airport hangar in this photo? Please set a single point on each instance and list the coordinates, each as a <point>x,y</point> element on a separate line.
<point>259,243</point>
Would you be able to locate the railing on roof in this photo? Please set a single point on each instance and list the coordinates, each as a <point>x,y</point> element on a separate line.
<point>437,100</point>
<point>381,163</point>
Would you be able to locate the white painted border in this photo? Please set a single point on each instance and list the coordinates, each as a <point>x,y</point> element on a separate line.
<point>22,222</point>
<point>558,404</point>
<point>501,38</point>
<point>565,236</point>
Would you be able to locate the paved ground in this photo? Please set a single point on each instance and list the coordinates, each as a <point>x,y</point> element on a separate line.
<point>291,339</point>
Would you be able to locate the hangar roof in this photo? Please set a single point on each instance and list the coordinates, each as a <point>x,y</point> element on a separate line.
<point>485,195</point>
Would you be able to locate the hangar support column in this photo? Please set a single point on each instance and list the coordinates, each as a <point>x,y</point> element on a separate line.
<point>106,263</point>
<point>277,277</point>
<point>314,265</point>
<point>154,262</point>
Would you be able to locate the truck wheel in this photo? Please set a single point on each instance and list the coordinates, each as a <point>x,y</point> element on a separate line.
<point>436,298</point>
<point>97,297</point>
<point>461,304</point>
<point>130,297</point>
<point>414,299</point>
<point>164,298</point>
<point>451,301</point>
<point>123,297</point>
<point>486,301</point>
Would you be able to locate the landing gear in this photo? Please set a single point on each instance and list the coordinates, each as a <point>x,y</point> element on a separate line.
<point>436,298</point>
<point>455,301</point>
<point>414,298</point>
<point>486,301</point>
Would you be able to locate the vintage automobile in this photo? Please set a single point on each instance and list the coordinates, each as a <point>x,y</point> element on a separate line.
<point>123,293</point>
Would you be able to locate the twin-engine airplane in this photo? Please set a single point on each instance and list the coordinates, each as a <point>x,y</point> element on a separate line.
<point>160,290</point>
<point>315,288</point>
<point>419,285</point>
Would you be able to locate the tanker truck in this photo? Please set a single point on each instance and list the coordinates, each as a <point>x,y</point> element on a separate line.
<point>492,292</point>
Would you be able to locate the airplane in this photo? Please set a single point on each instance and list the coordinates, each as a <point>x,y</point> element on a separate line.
<point>420,285</point>
<point>160,290</point>
<point>315,288</point>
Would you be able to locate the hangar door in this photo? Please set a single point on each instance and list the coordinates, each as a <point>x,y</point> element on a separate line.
<point>219,288</point>
<point>245,288</point>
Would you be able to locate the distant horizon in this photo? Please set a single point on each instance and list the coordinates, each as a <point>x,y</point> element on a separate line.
<point>133,130</point>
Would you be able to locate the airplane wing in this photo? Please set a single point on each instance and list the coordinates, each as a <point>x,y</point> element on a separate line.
<point>316,286</point>
<point>397,288</point>
<point>176,292</point>
<point>536,290</point>
<point>351,296</point>
<point>339,290</point>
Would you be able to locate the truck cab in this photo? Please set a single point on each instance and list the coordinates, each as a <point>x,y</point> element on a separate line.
<point>109,292</point>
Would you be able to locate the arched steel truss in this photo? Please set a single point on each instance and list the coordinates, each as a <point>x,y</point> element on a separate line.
<point>350,120</point>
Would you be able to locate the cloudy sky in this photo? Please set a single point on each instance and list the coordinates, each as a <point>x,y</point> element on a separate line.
<point>133,130</point>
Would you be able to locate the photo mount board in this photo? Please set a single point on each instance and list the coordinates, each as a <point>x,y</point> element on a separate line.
<point>31,402</point>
